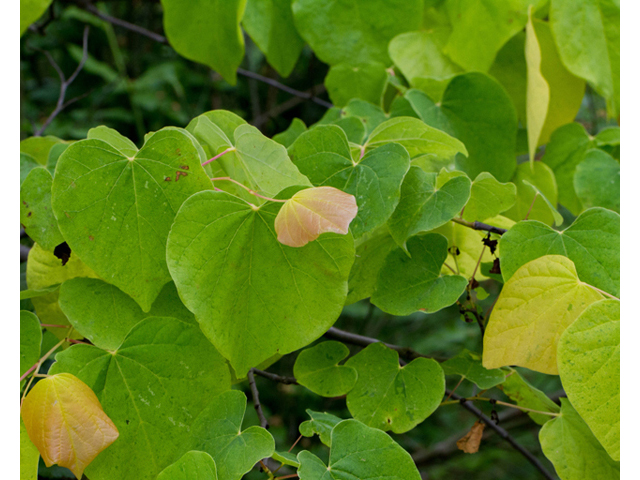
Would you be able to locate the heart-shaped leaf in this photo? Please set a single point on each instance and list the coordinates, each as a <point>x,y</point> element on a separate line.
<point>192,465</point>
<point>317,369</point>
<point>393,397</point>
<point>313,211</point>
<point>65,421</point>
<point>115,211</point>
<point>321,424</point>
<point>218,431</point>
<point>253,296</point>
<point>36,214</point>
<point>535,306</point>
<point>469,365</point>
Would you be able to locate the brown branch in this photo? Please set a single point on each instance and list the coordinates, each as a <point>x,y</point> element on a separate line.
<point>504,434</point>
<point>64,83</point>
<point>162,39</point>
<point>276,378</point>
<point>256,399</point>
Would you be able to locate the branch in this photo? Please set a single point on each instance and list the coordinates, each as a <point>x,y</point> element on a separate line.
<point>162,39</point>
<point>480,226</point>
<point>276,378</point>
<point>504,434</point>
<point>256,399</point>
<point>64,83</point>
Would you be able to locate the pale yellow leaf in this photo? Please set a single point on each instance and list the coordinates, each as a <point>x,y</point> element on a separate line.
<point>538,93</point>
<point>537,304</point>
<point>314,211</point>
<point>65,421</point>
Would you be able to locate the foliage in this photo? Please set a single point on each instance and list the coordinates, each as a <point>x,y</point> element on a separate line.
<point>189,229</point>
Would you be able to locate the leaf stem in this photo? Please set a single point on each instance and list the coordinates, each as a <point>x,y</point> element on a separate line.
<point>480,226</point>
<point>50,325</point>
<point>526,217</point>
<point>602,292</point>
<point>213,159</point>
<point>252,192</point>
<point>44,357</point>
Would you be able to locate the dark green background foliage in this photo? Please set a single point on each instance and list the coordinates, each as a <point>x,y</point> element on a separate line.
<point>136,85</point>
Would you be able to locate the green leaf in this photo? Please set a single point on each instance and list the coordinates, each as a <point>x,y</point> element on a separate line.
<point>26,294</point>
<point>592,242</point>
<point>30,340</point>
<point>366,81</point>
<point>54,154</point>
<point>419,57</point>
<point>30,11</point>
<point>371,252</point>
<point>27,164</point>
<point>113,138</point>
<point>116,211</point>
<point>566,149</point>
<point>536,186</point>
<point>589,366</point>
<point>38,147</point>
<point>153,387</point>
<point>354,129</point>
<point>469,365</point>
<point>192,465</point>
<point>35,209</point>
<point>476,110</point>
<point>45,270</point>
<point>289,136</point>
<point>207,32</point>
<point>269,23</point>
<point>588,38</point>
<point>408,284</point>
<point>608,136</point>
<point>221,250</point>
<point>318,369</point>
<point>597,181</point>
<point>417,137</point>
<point>525,395</point>
<point>321,424</point>
<point>104,314</point>
<point>373,455</point>
<point>286,458</point>
<point>424,207</point>
<point>324,156</point>
<point>510,69</point>
<point>574,451</point>
<point>29,456</point>
<point>370,114</point>
<point>488,198</point>
<point>540,300</point>
<point>480,29</point>
<point>393,397</point>
<point>218,431</point>
<point>265,163</point>
<point>538,91</point>
<point>354,31</point>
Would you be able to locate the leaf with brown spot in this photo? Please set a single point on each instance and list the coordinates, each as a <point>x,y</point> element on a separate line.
<point>470,443</point>
<point>314,211</point>
<point>65,421</point>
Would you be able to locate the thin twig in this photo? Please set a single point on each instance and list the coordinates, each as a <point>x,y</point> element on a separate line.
<point>526,217</point>
<point>480,226</point>
<point>64,83</point>
<point>256,399</point>
<point>276,378</point>
<point>252,192</point>
<point>215,157</point>
<point>505,435</point>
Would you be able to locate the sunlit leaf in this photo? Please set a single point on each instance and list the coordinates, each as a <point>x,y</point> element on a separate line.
<point>321,424</point>
<point>526,395</point>
<point>36,214</point>
<point>537,89</point>
<point>318,369</point>
<point>65,421</point>
<point>597,181</point>
<point>192,465</point>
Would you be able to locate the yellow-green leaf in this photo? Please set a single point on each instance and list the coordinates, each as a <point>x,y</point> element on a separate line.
<point>65,421</point>
<point>537,88</point>
<point>314,211</point>
<point>535,306</point>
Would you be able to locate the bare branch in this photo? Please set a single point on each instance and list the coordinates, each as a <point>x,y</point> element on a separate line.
<point>480,226</point>
<point>276,378</point>
<point>64,83</point>
<point>256,399</point>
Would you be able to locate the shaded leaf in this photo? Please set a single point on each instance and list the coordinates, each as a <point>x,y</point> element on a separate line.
<point>318,369</point>
<point>30,340</point>
<point>488,198</point>
<point>469,365</point>
<point>295,129</point>
<point>597,181</point>
<point>365,81</point>
<point>321,424</point>
<point>36,214</point>
<point>192,465</point>
<point>525,395</point>
<point>393,397</point>
<point>29,456</point>
<point>535,181</point>
<point>65,421</point>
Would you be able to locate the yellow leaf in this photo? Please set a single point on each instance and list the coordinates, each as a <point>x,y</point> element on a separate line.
<point>314,211</point>
<point>65,421</point>
<point>535,306</point>
<point>470,443</point>
<point>537,88</point>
